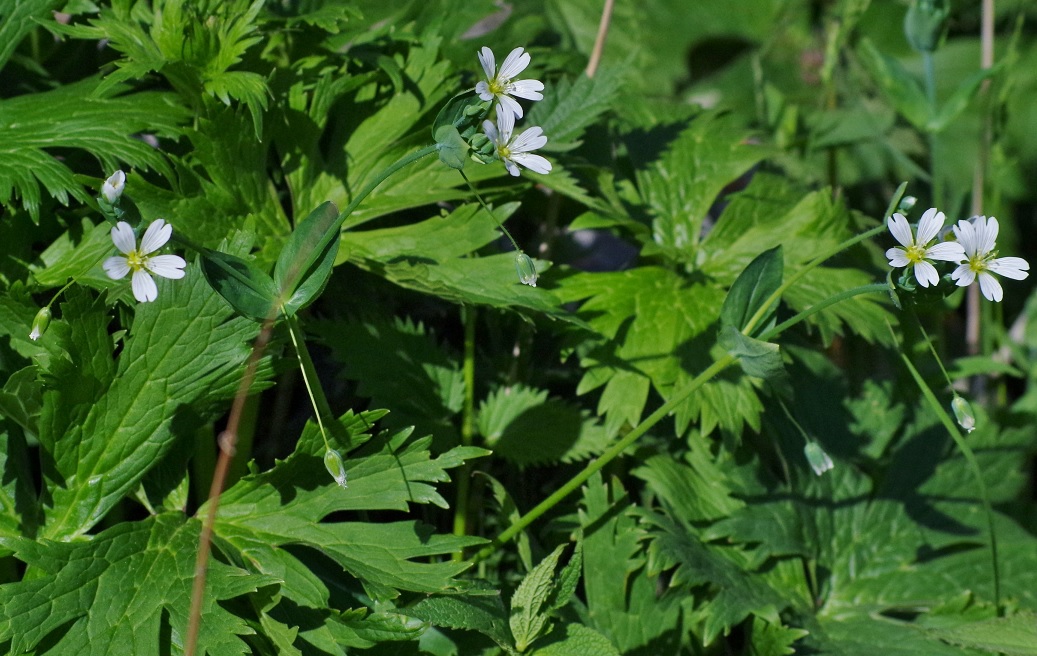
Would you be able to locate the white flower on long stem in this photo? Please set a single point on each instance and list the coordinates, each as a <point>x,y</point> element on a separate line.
<point>978,237</point>
<point>141,261</point>
<point>501,85</point>
<point>916,251</point>
<point>113,186</point>
<point>518,150</point>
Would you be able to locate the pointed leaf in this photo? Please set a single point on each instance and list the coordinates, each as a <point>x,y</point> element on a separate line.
<point>751,289</point>
<point>307,259</point>
<point>248,290</point>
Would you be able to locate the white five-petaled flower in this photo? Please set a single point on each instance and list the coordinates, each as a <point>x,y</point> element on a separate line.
<point>113,186</point>
<point>978,236</point>
<point>501,85</point>
<point>141,261</point>
<point>916,251</point>
<point>518,150</point>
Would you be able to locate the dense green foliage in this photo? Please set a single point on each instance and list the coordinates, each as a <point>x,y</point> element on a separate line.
<point>609,462</point>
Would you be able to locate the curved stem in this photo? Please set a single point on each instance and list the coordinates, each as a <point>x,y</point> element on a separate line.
<point>321,407</point>
<point>873,288</point>
<point>973,464</point>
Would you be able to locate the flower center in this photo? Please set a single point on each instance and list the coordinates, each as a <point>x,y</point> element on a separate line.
<point>136,261</point>
<point>915,253</point>
<point>978,263</point>
<point>498,86</point>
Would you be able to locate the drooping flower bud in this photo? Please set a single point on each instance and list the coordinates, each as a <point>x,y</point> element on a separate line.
<point>527,271</point>
<point>819,461</point>
<point>924,22</point>
<point>333,463</point>
<point>963,413</point>
<point>113,186</point>
<point>40,323</point>
<point>906,203</point>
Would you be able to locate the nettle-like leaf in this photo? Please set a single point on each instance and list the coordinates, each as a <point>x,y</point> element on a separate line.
<point>526,427</point>
<point>286,505</point>
<point>570,106</point>
<point>106,421</point>
<point>77,117</point>
<point>116,592</point>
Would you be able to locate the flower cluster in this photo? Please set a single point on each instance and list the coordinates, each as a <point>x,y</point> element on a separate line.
<point>501,87</point>
<point>973,251</point>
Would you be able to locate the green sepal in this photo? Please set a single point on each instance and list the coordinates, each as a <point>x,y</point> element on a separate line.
<point>453,149</point>
<point>307,259</point>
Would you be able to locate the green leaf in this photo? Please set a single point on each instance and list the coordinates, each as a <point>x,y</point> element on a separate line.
<point>106,422</point>
<point>307,259</point>
<point>758,358</point>
<point>1013,636</point>
<point>751,289</point>
<point>18,19</point>
<point>484,613</point>
<point>960,99</point>
<point>576,640</point>
<point>533,600</point>
<point>901,87</point>
<point>571,106</point>
<point>453,150</point>
<point>141,573</point>
<point>250,291</point>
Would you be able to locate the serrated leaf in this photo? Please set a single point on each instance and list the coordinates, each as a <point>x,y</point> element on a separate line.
<point>18,19</point>
<point>570,106</point>
<point>751,289</point>
<point>530,604</point>
<point>1012,636</point>
<point>306,260</point>
<point>483,613</point>
<point>106,422</point>
<point>903,89</point>
<point>576,640</point>
<point>140,573</point>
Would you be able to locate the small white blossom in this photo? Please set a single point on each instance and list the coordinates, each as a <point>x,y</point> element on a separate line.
<point>916,251</point>
<point>113,186</point>
<point>978,237</point>
<point>518,150</point>
<point>141,261</point>
<point>40,323</point>
<point>819,461</point>
<point>501,85</point>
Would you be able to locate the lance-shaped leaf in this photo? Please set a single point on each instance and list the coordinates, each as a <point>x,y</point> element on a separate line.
<point>249,290</point>
<point>751,290</point>
<point>306,261</point>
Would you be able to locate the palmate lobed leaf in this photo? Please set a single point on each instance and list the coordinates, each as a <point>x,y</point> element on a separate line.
<point>285,506</point>
<point>103,126</point>
<point>109,423</point>
<point>114,593</point>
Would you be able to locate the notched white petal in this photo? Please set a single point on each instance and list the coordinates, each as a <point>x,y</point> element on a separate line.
<point>155,237</point>
<point>900,229</point>
<point>116,267</point>
<point>123,237</point>
<point>167,266</point>
<point>144,289</point>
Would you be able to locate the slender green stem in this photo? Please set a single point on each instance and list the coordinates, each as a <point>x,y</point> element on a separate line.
<point>934,157</point>
<point>873,288</point>
<point>379,179</point>
<point>319,402</point>
<point>467,423</point>
<point>970,458</point>
<point>488,211</point>
<point>794,278</point>
<point>608,456</point>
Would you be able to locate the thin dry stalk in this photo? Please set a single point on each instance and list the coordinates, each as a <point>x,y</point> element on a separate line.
<point>599,41</point>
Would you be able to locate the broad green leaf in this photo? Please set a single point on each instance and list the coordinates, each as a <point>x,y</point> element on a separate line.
<point>570,106</point>
<point>902,88</point>
<point>307,258</point>
<point>751,289</point>
<point>526,427</point>
<point>1015,635</point>
<point>102,126</point>
<point>139,574</point>
<point>106,422</point>
<point>250,291</point>
<point>530,603</point>
<point>484,613</point>
<point>758,358</point>
<point>575,640</point>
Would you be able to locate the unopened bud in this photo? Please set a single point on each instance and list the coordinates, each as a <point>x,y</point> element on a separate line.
<point>923,24</point>
<point>963,413</point>
<point>527,271</point>
<point>40,323</point>
<point>333,463</point>
<point>113,186</point>
<point>818,459</point>
<point>906,203</point>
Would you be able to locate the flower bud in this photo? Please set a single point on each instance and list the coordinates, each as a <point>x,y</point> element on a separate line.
<point>906,203</point>
<point>333,463</point>
<point>527,271</point>
<point>40,323</point>
<point>923,24</point>
<point>818,459</point>
<point>113,186</point>
<point>963,413</point>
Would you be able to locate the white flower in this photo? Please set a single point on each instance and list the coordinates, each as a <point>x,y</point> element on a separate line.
<point>113,186</point>
<point>916,252</point>
<point>140,261</point>
<point>977,237</point>
<point>819,461</point>
<point>501,86</point>
<point>518,150</point>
